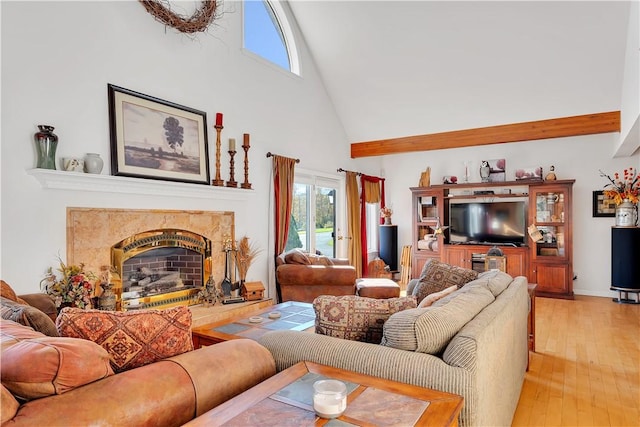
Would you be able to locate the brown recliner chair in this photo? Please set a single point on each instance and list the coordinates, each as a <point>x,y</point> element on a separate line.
<point>302,276</point>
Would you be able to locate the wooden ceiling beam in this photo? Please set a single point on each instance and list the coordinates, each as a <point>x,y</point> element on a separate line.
<point>586,124</point>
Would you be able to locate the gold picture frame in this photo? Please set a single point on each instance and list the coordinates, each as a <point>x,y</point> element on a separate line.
<point>493,262</point>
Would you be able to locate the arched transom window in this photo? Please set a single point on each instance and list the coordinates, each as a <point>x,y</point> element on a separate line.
<point>267,33</point>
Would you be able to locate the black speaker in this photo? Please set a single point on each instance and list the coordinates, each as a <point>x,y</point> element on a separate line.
<point>625,257</point>
<point>389,245</point>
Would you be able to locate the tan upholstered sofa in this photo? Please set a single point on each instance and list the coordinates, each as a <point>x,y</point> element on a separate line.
<point>484,359</point>
<point>302,277</point>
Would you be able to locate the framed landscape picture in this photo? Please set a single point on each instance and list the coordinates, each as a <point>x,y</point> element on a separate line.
<point>156,139</point>
<point>603,206</point>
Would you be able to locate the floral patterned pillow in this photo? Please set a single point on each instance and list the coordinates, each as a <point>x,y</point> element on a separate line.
<point>437,276</point>
<point>132,338</point>
<point>356,318</point>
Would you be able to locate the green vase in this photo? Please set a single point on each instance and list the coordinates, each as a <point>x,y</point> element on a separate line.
<point>46,144</point>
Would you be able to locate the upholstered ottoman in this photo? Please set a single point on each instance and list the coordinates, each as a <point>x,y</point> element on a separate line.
<point>377,288</point>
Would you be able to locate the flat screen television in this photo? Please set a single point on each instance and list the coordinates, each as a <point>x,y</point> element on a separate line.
<point>488,222</point>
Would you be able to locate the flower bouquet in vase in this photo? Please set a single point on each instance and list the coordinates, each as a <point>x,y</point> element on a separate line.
<point>623,190</point>
<point>72,287</point>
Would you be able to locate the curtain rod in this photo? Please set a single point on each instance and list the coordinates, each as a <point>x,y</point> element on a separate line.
<point>344,170</point>
<point>269,154</point>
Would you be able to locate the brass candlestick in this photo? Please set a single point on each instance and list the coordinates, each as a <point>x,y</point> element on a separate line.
<point>245,147</point>
<point>218,182</point>
<point>231,182</point>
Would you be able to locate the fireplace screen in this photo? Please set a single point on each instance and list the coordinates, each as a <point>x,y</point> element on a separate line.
<point>160,268</point>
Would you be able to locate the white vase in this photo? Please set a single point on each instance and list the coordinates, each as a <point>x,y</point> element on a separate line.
<point>93,163</point>
<point>626,214</point>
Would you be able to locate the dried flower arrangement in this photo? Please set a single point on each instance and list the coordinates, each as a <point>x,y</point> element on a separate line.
<point>626,188</point>
<point>245,255</point>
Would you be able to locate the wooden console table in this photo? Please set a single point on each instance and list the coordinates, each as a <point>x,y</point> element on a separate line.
<point>287,399</point>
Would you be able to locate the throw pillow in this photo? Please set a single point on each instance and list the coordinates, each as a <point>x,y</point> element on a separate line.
<point>132,338</point>
<point>497,281</point>
<point>36,365</point>
<point>319,259</point>
<point>296,256</point>
<point>429,330</point>
<point>7,291</point>
<point>28,316</point>
<point>356,318</point>
<point>431,298</point>
<point>437,276</point>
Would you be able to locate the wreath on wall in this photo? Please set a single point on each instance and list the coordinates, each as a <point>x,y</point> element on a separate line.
<point>199,21</point>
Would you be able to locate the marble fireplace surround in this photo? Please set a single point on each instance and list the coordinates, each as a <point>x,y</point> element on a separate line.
<point>91,232</point>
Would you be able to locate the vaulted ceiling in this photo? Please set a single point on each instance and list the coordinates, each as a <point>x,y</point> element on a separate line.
<point>402,68</point>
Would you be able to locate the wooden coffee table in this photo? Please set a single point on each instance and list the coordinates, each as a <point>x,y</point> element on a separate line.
<point>286,400</point>
<point>294,316</point>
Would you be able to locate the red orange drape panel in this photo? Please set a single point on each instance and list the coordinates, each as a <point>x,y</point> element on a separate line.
<point>364,181</point>
<point>283,173</point>
<point>353,218</point>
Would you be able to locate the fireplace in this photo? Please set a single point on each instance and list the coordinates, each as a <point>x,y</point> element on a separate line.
<point>102,238</point>
<point>160,268</point>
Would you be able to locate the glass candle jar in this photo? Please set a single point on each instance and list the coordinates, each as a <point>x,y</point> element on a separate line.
<point>329,398</point>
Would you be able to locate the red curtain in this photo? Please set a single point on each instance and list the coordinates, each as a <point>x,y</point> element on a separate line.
<point>283,174</point>
<point>363,216</point>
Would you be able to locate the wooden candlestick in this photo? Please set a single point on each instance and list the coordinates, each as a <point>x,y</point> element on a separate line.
<point>245,147</point>
<point>231,182</point>
<point>218,182</point>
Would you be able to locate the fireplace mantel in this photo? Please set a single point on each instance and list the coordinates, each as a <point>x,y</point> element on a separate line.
<point>77,181</point>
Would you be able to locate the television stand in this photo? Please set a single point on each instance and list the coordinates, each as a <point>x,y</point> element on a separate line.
<point>473,257</point>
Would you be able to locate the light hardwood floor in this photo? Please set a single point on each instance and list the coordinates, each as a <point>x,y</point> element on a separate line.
<point>586,368</point>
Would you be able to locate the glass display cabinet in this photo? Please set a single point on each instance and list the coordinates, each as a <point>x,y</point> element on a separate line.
<point>550,230</point>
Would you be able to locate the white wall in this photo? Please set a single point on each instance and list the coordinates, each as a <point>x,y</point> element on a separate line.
<point>630,112</point>
<point>57,58</point>
<point>576,158</point>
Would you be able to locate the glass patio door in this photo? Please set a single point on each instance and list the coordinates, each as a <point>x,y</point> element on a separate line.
<point>314,215</point>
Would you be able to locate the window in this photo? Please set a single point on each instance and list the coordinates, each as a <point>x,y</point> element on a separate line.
<point>314,215</point>
<point>373,224</point>
<point>267,34</point>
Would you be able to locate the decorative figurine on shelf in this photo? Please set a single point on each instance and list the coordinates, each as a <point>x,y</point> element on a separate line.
<point>485,171</point>
<point>551,176</point>
<point>450,179</point>
<point>425,178</point>
<point>439,228</point>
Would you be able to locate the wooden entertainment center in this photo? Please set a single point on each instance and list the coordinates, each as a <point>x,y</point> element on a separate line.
<point>547,261</point>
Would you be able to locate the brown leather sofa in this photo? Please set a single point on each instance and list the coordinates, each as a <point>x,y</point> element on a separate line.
<point>303,277</point>
<point>169,392</point>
